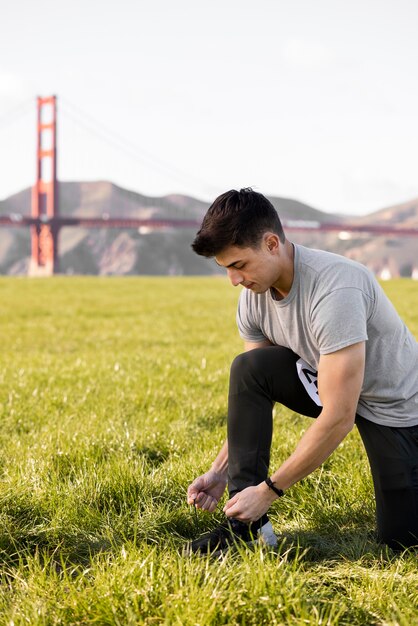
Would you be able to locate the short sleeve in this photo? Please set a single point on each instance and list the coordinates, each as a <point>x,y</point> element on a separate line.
<point>248,326</point>
<point>340,319</point>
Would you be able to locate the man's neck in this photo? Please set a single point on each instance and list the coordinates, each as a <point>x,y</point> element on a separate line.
<point>282,287</point>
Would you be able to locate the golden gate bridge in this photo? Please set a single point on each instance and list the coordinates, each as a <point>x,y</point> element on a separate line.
<point>45,220</point>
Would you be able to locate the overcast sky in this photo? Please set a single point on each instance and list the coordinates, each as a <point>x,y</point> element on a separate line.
<point>313,100</point>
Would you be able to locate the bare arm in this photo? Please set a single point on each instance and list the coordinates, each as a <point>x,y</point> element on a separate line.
<point>220,464</point>
<point>340,378</point>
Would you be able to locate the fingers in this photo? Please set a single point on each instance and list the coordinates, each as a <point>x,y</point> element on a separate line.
<point>206,502</point>
<point>233,508</point>
<point>202,501</point>
<point>197,494</point>
<point>196,497</point>
<point>247,505</point>
<point>193,491</point>
<point>236,512</point>
<point>231,502</point>
<point>191,496</point>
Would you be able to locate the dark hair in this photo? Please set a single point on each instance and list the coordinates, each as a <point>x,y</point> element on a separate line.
<point>236,218</point>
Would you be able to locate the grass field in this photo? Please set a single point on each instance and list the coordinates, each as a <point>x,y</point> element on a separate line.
<point>113,398</point>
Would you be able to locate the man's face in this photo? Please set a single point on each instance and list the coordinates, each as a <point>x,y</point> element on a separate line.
<point>257,269</point>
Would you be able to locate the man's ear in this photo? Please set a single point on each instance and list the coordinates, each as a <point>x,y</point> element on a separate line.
<point>272,241</point>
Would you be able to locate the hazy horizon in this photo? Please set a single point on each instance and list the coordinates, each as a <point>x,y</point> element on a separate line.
<point>200,199</point>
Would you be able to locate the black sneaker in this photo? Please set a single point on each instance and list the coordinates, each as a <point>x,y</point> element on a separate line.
<point>233,533</point>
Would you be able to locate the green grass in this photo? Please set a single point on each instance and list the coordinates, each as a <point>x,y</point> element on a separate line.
<point>112,399</point>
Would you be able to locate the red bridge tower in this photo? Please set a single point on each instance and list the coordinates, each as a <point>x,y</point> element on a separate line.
<point>44,233</point>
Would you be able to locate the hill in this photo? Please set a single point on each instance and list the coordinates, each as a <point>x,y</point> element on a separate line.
<point>111,251</point>
<point>396,256</point>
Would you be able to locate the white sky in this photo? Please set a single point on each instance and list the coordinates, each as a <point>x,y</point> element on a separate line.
<point>311,99</point>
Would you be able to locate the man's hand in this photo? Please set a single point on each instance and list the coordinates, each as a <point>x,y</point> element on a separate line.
<point>250,504</point>
<point>206,491</point>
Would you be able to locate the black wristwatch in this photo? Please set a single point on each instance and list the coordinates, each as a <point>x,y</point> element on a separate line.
<point>270,485</point>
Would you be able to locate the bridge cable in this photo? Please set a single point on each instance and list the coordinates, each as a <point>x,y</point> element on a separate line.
<point>127,147</point>
<point>16,113</point>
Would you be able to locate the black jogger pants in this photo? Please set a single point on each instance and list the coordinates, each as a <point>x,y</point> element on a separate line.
<point>261,377</point>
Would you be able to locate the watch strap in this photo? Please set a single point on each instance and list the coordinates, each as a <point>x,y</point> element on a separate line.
<point>271,486</point>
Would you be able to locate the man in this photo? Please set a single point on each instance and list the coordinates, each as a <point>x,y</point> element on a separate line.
<point>321,338</point>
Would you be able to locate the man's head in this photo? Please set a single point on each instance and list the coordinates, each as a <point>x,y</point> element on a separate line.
<point>237,218</point>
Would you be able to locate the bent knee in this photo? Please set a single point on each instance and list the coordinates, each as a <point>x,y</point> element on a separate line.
<point>269,358</point>
<point>251,361</point>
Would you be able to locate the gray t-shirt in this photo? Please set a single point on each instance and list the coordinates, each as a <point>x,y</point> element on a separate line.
<point>333,303</point>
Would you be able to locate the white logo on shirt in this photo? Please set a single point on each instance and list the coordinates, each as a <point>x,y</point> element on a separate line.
<point>309,379</point>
